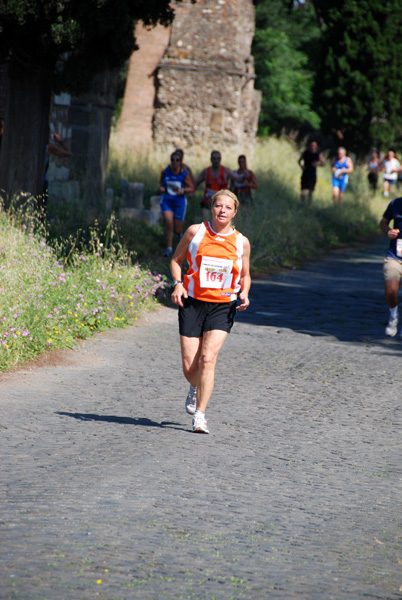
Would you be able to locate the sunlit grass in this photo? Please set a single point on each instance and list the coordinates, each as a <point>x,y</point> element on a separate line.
<point>47,302</point>
<point>55,290</point>
<point>281,230</point>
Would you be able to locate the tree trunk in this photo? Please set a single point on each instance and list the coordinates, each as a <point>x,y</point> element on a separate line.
<point>90,119</point>
<point>26,132</point>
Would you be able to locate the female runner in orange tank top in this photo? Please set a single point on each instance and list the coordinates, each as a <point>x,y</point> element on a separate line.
<point>218,274</point>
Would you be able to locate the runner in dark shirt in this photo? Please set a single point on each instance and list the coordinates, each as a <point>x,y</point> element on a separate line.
<point>310,159</point>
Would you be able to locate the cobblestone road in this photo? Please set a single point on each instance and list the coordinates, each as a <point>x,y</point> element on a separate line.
<point>295,494</point>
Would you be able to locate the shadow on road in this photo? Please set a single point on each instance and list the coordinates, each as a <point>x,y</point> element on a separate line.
<point>340,295</point>
<point>123,420</point>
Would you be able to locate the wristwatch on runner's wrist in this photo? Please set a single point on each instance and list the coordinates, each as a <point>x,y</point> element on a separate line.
<point>176,282</point>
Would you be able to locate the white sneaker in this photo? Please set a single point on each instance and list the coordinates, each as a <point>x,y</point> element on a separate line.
<point>199,424</point>
<point>392,327</point>
<point>191,400</point>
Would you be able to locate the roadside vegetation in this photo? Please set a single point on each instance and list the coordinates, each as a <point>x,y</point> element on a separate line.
<point>55,293</point>
<point>69,279</point>
<point>281,230</point>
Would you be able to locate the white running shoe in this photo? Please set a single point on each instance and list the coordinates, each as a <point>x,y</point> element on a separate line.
<point>199,424</point>
<point>191,400</point>
<point>392,327</point>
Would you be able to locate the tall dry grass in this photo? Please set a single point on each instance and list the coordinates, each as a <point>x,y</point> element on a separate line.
<point>281,230</point>
<point>52,296</point>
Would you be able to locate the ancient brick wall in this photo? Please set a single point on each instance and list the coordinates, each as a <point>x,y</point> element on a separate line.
<point>205,92</point>
<point>135,124</point>
<point>193,85</point>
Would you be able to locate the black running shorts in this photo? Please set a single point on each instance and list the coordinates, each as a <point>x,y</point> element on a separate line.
<point>308,181</point>
<point>196,316</point>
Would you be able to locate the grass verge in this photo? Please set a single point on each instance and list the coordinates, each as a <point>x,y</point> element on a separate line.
<point>50,296</point>
<point>281,230</point>
<point>67,283</point>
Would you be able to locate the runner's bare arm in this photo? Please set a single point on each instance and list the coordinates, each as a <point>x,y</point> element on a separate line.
<point>234,176</point>
<point>350,166</point>
<point>189,189</point>
<point>320,162</point>
<point>189,171</point>
<point>253,181</point>
<point>177,260</point>
<point>161,188</point>
<point>59,148</point>
<point>245,279</point>
<point>391,233</point>
<point>201,177</point>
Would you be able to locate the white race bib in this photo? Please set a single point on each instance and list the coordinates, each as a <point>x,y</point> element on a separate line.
<point>399,248</point>
<point>216,273</point>
<point>173,187</point>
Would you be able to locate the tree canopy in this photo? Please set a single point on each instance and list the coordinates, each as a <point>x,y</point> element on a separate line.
<point>283,47</point>
<point>335,64</point>
<point>359,85</point>
<point>53,45</point>
<point>72,39</point>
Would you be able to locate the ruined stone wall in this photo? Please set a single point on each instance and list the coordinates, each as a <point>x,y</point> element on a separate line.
<point>84,123</point>
<point>205,92</point>
<point>192,84</point>
<point>3,87</point>
<point>135,123</point>
<point>90,117</point>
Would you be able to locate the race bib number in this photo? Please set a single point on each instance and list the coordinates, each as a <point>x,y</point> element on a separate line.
<point>173,187</point>
<point>208,195</point>
<point>215,273</point>
<point>399,248</point>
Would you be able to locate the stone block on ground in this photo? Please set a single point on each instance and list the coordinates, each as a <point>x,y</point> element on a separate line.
<point>132,194</point>
<point>143,215</point>
<point>155,202</point>
<point>65,190</point>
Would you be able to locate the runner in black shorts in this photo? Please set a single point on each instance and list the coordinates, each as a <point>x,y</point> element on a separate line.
<point>196,316</point>
<point>218,276</point>
<point>309,161</point>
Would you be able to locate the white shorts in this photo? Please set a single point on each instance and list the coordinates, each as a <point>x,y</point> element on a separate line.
<point>392,269</point>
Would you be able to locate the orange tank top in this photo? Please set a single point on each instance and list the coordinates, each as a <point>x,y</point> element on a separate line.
<point>213,185</point>
<point>215,265</point>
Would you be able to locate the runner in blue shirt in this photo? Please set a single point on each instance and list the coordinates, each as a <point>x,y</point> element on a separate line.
<point>341,168</point>
<point>175,182</point>
<point>393,261</point>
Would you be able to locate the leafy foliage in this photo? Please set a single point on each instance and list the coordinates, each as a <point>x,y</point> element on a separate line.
<point>359,85</point>
<point>283,42</point>
<point>79,37</point>
<point>58,45</point>
<point>64,292</point>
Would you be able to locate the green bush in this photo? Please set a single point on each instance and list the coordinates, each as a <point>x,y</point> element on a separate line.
<point>48,302</point>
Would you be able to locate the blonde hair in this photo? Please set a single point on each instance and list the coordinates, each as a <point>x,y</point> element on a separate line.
<point>227,193</point>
